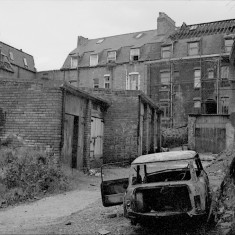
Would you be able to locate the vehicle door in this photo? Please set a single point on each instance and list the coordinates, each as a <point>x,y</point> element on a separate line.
<point>114,183</point>
<point>203,182</point>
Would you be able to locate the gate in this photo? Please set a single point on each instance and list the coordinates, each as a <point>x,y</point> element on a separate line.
<point>210,133</point>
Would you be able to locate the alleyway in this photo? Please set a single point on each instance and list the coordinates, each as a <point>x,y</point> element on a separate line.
<point>81,212</point>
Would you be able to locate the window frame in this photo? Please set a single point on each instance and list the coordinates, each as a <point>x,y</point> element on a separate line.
<point>134,52</point>
<point>208,74</point>
<point>11,55</point>
<point>190,49</point>
<point>95,83</point>
<point>94,61</point>
<point>107,82</point>
<point>128,81</point>
<point>73,58</point>
<point>163,50</point>
<point>110,59</point>
<point>224,79</point>
<point>197,100</point>
<point>25,62</point>
<point>195,83</point>
<point>165,84</point>
<point>228,48</point>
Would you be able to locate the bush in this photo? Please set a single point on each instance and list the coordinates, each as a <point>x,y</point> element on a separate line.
<point>26,173</point>
<point>172,137</point>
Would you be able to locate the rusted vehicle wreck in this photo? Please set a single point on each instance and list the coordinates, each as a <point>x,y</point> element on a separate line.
<point>161,185</point>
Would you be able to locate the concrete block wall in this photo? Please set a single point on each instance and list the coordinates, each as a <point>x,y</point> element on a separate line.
<point>32,111</point>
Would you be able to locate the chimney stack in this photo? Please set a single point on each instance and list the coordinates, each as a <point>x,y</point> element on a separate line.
<point>81,41</point>
<point>165,25</point>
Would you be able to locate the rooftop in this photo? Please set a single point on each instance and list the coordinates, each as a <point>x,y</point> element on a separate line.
<point>197,30</point>
<point>165,156</point>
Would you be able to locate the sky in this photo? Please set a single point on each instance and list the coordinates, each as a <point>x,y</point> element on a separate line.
<point>48,29</point>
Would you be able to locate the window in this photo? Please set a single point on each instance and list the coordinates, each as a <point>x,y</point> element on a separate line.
<point>228,45</point>
<point>133,81</point>
<point>166,52</point>
<point>197,103</point>
<point>107,81</point>
<point>11,55</point>
<point>193,48</point>
<point>93,60</point>
<point>139,35</point>
<point>210,74</point>
<point>96,82</point>
<point>197,78</point>
<point>74,62</point>
<point>165,107</point>
<point>165,80</point>
<point>111,57</point>
<point>224,76</point>
<point>164,95</point>
<point>225,105</point>
<point>25,62</point>
<point>100,41</point>
<point>134,54</point>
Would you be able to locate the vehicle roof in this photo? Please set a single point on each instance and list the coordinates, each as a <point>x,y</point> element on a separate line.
<point>165,156</point>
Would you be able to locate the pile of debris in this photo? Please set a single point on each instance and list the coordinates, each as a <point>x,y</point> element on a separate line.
<point>225,195</point>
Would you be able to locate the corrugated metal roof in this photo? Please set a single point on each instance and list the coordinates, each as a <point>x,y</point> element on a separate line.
<point>18,56</point>
<point>165,156</point>
<point>197,30</point>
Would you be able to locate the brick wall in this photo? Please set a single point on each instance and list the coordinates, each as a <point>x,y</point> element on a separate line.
<point>32,111</point>
<point>120,125</point>
<point>86,75</point>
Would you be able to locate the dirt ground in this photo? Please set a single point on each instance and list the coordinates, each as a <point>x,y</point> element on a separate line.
<point>81,212</point>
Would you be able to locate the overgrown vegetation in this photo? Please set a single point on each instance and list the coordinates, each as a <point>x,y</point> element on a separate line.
<point>26,173</point>
<point>174,137</point>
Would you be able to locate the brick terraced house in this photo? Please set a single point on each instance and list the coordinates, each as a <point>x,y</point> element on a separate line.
<point>15,63</point>
<point>195,72</point>
<point>115,62</point>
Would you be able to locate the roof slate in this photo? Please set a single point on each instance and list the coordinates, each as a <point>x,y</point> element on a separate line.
<point>18,57</point>
<point>197,30</point>
<point>121,43</point>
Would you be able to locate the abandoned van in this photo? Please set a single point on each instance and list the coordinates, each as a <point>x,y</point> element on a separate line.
<point>161,185</point>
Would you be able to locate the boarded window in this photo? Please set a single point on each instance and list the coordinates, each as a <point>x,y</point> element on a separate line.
<point>193,48</point>
<point>134,54</point>
<point>197,78</point>
<point>93,60</point>
<point>133,81</point>
<point>166,52</point>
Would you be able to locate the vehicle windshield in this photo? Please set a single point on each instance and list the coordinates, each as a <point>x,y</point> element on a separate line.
<point>161,171</point>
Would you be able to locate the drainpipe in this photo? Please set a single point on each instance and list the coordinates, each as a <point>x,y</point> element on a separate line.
<point>217,84</point>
